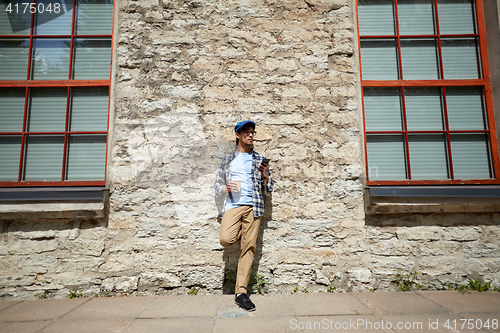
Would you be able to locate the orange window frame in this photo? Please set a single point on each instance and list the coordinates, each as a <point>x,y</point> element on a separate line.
<point>69,84</point>
<point>441,83</point>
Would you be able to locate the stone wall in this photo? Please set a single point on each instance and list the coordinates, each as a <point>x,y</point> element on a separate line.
<point>185,72</point>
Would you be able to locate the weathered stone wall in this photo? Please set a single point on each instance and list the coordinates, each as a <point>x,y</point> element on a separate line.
<point>185,73</point>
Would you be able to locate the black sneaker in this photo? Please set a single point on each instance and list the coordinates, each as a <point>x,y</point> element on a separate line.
<point>244,302</point>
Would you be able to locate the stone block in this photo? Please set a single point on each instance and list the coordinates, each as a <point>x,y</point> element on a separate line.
<point>294,275</point>
<point>471,265</point>
<point>32,246</point>
<point>161,280</point>
<point>16,280</point>
<point>419,233</point>
<point>124,284</point>
<point>462,234</point>
<point>203,276</point>
<point>310,226</point>
<point>392,248</point>
<point>360,275</point>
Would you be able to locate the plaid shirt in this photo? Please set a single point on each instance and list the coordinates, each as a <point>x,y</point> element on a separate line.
<point>224,174</point>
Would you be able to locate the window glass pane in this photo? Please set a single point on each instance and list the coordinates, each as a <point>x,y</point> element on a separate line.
<point>383,109</point>
<point>51,59</point>
<point>470,156</point>
<point>416,17</point>
<point>95,17</point>
<point>386,157</point>
<point>11,109</point>
<point>14,59</point>
<point>13,23</point>
<point>47,110</point>
<point>428,156</point>
<point>53,17</point>
<point>379,60</point>
<point>86,157</point>
<point>465,108</point>
<point>89,110</point>
<point>44,157</point>
<point>10,151</point>
<point>456,17</point>
<point>424,109</point>
<point>420,59</point>
<point>460,58</point>
<point>376,17</point>
<point>92,59</point>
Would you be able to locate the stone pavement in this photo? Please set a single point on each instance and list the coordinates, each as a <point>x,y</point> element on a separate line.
<point>427,311</point>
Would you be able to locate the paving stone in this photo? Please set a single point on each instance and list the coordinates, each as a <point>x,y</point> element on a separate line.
<point>7,304</point>
<point>88,326</point>
<point>253,324</point>
<point>182,306</point>
<point>471,302</point>
<point>326,304</point>
<point>194,325</point>
<point>111,307</point>
<point>40,309</point>
<point>23,327</point>
<point>398,302</point>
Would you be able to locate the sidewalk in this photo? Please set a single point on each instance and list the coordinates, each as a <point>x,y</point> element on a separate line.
<point>431,311</point>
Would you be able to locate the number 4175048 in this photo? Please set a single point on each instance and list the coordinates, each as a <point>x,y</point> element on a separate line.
<point>27,7</point>
<point>470,324</point>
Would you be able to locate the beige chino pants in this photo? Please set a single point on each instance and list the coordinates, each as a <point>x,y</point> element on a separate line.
<point>239,223</point>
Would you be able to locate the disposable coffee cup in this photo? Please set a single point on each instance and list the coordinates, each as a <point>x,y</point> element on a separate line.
<point>238,183</point>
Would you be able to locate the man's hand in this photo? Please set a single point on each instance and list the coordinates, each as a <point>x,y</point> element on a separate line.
<point>230,187</point>
<point>264,169</point>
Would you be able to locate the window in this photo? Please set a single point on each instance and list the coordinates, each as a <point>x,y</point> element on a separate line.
<point>55,66</point>
<point>427,101</point>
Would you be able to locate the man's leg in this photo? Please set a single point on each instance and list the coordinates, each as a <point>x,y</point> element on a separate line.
<point>230,228</point>
<point>249,232</point>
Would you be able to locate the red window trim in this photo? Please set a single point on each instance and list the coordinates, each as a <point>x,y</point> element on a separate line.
<point>70,83</point>
<point>483,83</point>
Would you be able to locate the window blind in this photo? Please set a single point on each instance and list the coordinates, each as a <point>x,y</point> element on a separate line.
<point>89,111</point>
<point>383,109</point>
<point>419,59</point>
<point>10,151</point>
<point>86,157</point>
<point>428,157</point>
<point>460,58</point>
<point>43,157</point>
<point>456,17</point>
<point>470,155</point>
<point>92,59</point>
<point>51,59</point>
<point>416,17</point>
<point>379,60</point>
<point>14,59</point>
<point>12,109</point>
<point>94,17</point>
<point>465,108</point>
<point>376,17</point>
<point>386,157</point>
<point>55,24</point>
<point>48,110</point>
<point>424,109</point>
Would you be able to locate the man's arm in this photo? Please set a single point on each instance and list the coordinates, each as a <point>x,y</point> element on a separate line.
<point>220,181</point>
<point>267,181</point>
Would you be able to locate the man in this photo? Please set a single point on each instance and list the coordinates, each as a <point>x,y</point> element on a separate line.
<point>241,179</point>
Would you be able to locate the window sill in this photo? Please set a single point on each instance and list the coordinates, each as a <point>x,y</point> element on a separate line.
<point>53,203</point>
<point>432,199</point>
